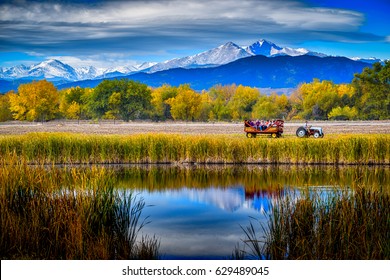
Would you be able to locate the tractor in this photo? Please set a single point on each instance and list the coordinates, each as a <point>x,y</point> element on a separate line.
<point>308,130</point>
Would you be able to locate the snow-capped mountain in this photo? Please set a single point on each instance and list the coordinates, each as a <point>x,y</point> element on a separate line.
<point>263,47</point>
<point>88,72</point>
<point>218,56</point>
<point>55,70</point>
<point>15,72</point>
<point>52,69</point>
<point>145,65</point>
<point>230,52</point>
<point>269,49</point>
<point>370,60</point>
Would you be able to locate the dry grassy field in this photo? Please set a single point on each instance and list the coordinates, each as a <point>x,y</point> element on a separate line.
<point>139,127</point>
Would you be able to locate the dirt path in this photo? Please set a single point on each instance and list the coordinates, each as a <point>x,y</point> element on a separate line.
<point>108,127</point>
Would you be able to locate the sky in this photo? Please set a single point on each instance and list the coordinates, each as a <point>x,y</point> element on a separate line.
<point>123,33</point>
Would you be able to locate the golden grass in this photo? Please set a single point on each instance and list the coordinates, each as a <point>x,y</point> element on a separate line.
<point>338,224</point>
<point>47,213</point>
<point>160,148</point>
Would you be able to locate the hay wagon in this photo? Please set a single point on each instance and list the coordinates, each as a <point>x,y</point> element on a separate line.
<point>274,128</point>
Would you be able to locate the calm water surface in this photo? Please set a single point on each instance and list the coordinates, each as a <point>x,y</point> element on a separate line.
<point>198,212</point>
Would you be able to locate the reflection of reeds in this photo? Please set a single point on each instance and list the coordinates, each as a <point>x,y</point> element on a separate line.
<point>157,148</point>
<point>51,214</point>
<point>253,178</point>
<point>335,225</point>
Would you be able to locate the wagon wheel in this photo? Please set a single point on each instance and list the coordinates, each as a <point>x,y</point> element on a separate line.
<point>301,132</point>
<point>251,135</point>
<point>274,135</point>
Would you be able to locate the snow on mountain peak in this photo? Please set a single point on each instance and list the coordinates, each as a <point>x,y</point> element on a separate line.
<point>220,55</point>
<point>263,47</point>
<point>267,48</point>
<point>54,69</point>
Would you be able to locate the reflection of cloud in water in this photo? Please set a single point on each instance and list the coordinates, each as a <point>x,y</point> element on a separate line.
<point>259,202</point>
<point>229,199</point>
<point>201,223</point>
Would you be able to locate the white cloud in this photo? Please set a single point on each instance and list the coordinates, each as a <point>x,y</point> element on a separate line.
<point>143,13</point>
<point>99,61</point>
<point>153,27</point>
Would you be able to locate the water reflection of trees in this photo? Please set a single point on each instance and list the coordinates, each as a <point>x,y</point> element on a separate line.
<point>254,178</point>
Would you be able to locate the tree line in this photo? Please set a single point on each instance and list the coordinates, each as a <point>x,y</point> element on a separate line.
<point>366,98</point>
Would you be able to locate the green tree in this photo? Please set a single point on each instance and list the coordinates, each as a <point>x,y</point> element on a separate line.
<point>35,101</point>
<point>114,102</point>
<point>131,99</point>
<point>372,96</point>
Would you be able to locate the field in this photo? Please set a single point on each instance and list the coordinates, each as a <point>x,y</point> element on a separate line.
<point>119,127</point>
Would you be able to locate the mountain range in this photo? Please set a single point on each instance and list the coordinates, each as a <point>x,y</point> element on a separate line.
<point>262,64</point>
<point>282,72</point>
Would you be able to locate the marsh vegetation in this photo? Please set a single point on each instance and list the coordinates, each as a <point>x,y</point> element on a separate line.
<point>75,196</point>
<point>166,148</point>
<point>49,213</point>
<point>313,225</point>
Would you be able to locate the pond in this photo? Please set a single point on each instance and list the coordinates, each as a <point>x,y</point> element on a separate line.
<point>197,212</point>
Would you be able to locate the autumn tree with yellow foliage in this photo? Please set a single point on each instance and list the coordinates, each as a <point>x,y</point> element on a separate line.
<point>36,101</point>
<point>161,109</point>
<point>367,97</point>
<point>186,104</point>
<point>220,97</point>
<point>271,107</point>
<point>242,102</point>
<point>5,113</point>
<point>73,102</point>
<point>318,100</point>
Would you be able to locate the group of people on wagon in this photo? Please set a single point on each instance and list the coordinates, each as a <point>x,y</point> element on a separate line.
<point>261,124</point>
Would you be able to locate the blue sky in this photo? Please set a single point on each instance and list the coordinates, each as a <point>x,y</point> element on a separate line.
<point>109,33</point>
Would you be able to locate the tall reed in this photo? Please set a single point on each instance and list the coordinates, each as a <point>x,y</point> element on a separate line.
<point>159,148</point>
<point>333,225</point>
<point>50,214</point>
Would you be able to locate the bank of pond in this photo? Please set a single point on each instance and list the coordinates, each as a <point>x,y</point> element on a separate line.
<point>148,211</point>
<point>58,148</point>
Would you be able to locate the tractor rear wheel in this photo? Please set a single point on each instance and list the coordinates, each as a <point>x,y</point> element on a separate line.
<point>301,132</point>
